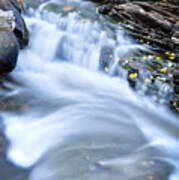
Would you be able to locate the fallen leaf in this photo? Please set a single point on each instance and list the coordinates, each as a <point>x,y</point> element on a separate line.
<point>68,8</point>
<point>133,75</point>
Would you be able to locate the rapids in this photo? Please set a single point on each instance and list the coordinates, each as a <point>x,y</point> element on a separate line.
<point>69,120</point>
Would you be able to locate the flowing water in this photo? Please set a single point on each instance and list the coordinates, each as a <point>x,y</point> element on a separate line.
<point>65,119</point>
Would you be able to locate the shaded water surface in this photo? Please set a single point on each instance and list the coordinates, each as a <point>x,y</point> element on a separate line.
<point>66,119</point>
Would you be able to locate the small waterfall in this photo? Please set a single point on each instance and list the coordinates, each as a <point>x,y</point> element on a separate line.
<point>73,121</point>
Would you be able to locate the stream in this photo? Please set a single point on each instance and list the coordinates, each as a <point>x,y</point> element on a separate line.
<point>66,119</point>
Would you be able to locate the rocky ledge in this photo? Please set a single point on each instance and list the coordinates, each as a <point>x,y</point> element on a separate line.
<point>153,23</point>
<point>13,34</point>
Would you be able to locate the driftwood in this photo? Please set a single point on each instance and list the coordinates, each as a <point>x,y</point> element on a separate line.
<point>7,21</point>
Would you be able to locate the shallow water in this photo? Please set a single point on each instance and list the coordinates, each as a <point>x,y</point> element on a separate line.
<point>66,119</point>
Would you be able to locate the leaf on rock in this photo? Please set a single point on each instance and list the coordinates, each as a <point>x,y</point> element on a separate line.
<point>133,75</point>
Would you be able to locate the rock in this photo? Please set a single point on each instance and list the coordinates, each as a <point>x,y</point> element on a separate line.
<point>20,29</point>
<point>175,103</point>
<point>9,48</point>
<point>7,21</point>
<point>13,35</point>
<point>156,22</point>
<point>106,57</point>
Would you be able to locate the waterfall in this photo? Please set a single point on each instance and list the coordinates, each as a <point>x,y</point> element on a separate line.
<point>73,121</point>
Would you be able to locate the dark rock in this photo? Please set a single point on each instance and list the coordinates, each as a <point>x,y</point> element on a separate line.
<point>11,42</point>
<point>175,104</point>
<point>104,9</point>
<point>176,74</point>
<point>9,48</point>
<point>176,79</point>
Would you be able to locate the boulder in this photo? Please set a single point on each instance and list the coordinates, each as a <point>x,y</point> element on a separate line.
<point>13,34</point>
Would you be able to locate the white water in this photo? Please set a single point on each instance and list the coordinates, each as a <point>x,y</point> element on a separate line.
<point>79,123</point>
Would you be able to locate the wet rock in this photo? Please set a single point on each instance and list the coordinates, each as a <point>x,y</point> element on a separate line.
<point>104,9</point>
<point>20,29</point>
<point>7,21</point>
<point>11,38</point>
<point>176,88</point>
<point>106,57</point>
<point>157,22</point>
<point>176,76</point>
<point>9,48</point>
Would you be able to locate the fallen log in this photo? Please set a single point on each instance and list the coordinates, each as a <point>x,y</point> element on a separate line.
<point>7,21</point>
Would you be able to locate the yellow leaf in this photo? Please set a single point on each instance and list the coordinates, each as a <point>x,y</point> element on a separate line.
<point>133,75</point>
<point>171,57</point>
<point>172,54</point>
<point>110,56</point>
<point>166,53</point>
<point>68,8</point>
<point>147,80</point>
<point>164,70</point>
<point>158,58</point>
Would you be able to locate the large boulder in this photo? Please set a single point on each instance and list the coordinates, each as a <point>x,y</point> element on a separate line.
<point>11,40</point>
